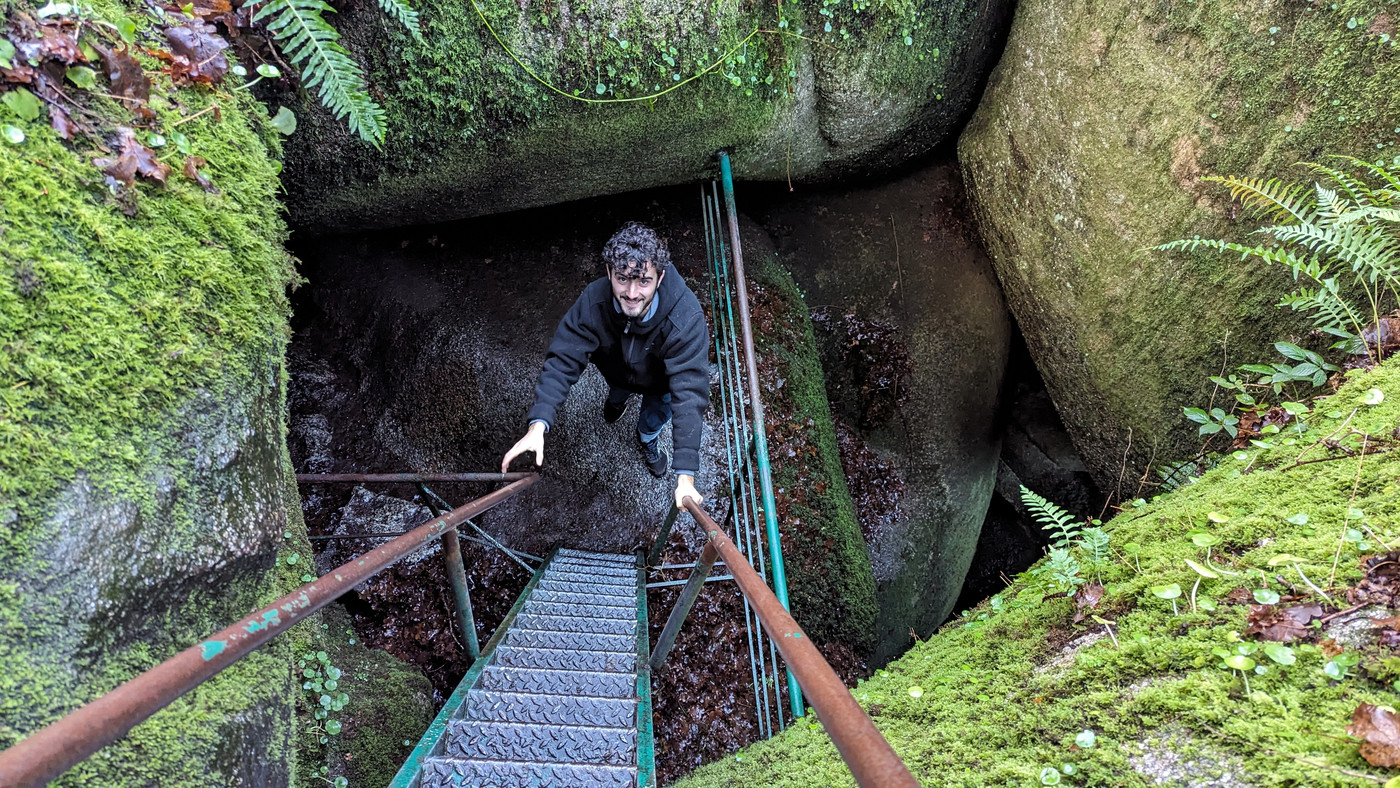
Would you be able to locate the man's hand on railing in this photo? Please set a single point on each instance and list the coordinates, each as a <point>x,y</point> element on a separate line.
<point>533,441</point>
<point>685,488</point>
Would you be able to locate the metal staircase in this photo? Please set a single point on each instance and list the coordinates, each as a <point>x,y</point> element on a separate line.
<point>561,695</point>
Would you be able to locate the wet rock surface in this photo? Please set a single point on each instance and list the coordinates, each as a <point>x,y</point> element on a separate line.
<point>912,305</point>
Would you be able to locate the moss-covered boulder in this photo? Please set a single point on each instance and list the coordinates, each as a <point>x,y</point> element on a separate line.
<point>916,337</point>
<point>803,90</point>
<point>142,464</point>
<point>1016,689</point>
<point>1088,146</point>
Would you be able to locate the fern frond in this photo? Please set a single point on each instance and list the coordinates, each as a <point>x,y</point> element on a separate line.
<point>1354,188</point>
<point>1271,199</point>
<point>309,42</point>
<point>402,12</point>
<point>1368,250</point>
<point>1331,312</point>
<point>1052,518</point>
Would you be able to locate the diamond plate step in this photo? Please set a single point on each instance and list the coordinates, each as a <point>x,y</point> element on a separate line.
<point>605,594</point>
<point>573,641</point>
<point>457,772</point>
<point>620,573</point>
<point>573,597</point>
<point>551,709</point>
<point>591,609</point>
<point>581,624</point>
<point>558,682</point>
<point>597,558</point>
<point>556,659</point>
<point>627,584</point>
<point>509,741</point>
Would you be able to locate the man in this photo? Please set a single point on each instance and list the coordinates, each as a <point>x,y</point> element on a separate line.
<point>644,330</point>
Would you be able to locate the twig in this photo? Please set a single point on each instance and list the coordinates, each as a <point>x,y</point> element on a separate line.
<point>1324,438</point>
<point>207,109</point>
<point>1378,450</point>
<point>898,270</point>
<point>1118,488</point>
<point>1298,758</point>
<point>1331,616</point>
<point>1346,518</point>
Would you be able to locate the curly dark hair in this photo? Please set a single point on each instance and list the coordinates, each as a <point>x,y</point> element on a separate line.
<point>634,246</point>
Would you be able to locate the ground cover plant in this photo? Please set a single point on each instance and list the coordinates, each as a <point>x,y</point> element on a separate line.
<point>1274,661</point>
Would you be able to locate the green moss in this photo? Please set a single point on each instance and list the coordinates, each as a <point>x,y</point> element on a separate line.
<point>1000,701</point>
<point>832,590</point>
<point>461,111</point>
<point>1071,175</point>
<point>134,328</point>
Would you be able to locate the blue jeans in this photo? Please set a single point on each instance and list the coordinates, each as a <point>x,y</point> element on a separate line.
<point>655,412</point>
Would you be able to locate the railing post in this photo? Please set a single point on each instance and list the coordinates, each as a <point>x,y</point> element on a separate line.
<point>452,553</point>
<point>657,549</point>
<point>457,575</point>
<point>683,604</point>
<point>760,436</point>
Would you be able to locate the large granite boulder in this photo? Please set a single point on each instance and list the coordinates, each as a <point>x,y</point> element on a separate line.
<point>143,487</point>
<point>915,339</point>
<point>1088,147</point>
<point>471,133</point>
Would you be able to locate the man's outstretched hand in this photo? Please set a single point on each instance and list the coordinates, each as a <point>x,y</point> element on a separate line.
<point>685,488</point>
<point>533,441</point>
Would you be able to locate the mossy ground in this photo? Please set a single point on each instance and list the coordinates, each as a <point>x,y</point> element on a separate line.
<point>1089,146</point>
<point>993,711</point>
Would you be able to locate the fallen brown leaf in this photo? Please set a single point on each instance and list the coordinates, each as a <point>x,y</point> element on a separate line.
<point>198,52</point>
<point>1380,731</point>
<point>58,44</point>
<point>1381,584</point>
<point>1086,598</point>
<point>128,79</point>
<point>1281,624</point>
<point>191,170</point>
<point>132,159</point>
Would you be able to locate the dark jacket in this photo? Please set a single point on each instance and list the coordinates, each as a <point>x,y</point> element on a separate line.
<point>668,353</point>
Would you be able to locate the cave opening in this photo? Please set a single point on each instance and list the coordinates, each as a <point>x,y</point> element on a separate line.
<point>417,349</point>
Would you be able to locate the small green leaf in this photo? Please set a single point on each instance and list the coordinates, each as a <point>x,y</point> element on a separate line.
<point>239,71</point>
<point>284,121</point>
<point>916,691</point>
<point>1239,662</point>
<point>600,88</point>
<point>1279,653</point>
<point>7,53</point>
<point>155,140</point>
<point>332,727</point>
<point>1166,592</point>
<point>1206,603</point>
<point>1217,517</point>
<point>83,77</point>
<point>291,559</point>
<point>22,103</point>
<point>1201,570</point>
<point>341,782</point>
<point>127,29</point>
<point>1132,548</point>
<point>1373,397</point>
<point>1266,596</point>
<point>1049,775</point>
<point>1086,739</point>
<point>1300,518</point>
<point>12,134</point>
<point>1203,539</point>
<point>1284,558</point>
<point>268,70</point>
<point>182,144</point>
<point>54,9</point>
<point>1294,408</point>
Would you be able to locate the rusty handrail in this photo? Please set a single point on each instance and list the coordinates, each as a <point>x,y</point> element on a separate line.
<point>412,478</point>
<point>871,759</point>
<point>51,751</point>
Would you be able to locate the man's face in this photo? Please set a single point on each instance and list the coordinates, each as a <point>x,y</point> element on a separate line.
<point>635,291</point>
